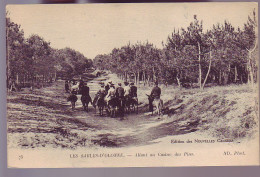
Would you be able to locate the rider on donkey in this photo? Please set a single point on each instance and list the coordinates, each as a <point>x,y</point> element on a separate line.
<point>73,98</point>
<point>101,93</point>
<point>120,91</point>
<point>127,89</point>
<point>81,85</point>
<point>111,93</point>
<point>120,95</point>
<point>107,87</point>
<point>85,97</point>
<point>133,90</point>
<point>133,93</point>
<point>155,94</point>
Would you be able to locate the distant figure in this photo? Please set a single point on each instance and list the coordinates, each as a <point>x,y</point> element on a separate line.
<point>98,74</point>
<point>73,99</point>
<point>81,85</point>
<point>107,87</point>
<point>67,87</point>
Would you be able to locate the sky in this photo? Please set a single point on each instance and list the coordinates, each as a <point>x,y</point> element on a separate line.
<point>94,29</point>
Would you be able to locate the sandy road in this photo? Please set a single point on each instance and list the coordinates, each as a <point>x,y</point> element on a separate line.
<point>46,113</point>
<point>133,129</point>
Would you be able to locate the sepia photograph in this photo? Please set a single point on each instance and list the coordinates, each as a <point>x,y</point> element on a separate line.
<point>132,85</point>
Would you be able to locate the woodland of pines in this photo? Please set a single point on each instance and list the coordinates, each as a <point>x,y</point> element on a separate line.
<point>191,57</point>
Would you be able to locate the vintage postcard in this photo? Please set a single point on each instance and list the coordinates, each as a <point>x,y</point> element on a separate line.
<point>132,85</point>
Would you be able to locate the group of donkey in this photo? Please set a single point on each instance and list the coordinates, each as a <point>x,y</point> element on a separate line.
<point>119,106</point>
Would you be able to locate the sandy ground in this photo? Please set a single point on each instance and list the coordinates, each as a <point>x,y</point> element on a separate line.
<point>43,118</point>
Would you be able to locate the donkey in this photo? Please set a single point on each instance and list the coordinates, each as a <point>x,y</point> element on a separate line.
<point>157,102</point>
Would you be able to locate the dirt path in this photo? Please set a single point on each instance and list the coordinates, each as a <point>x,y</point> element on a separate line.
<point>134,129</point>
<point>43,117</point>
<point>46,113</point>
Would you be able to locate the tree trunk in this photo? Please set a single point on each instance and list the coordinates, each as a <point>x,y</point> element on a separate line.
<point>250,64</point>
<point>125,77</point>
<point>210,55</point>
<point>199,66</point>
<point>250,69</point>
<point>17,79</point>
<point>138,77</point>
<point>235,74</point>
<point>143,78</point>
<point>178,81</point>
<point>220,78</point>
<point>154,77</point>
<point>8,71</point>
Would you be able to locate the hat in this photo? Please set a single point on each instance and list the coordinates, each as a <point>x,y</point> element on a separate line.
<point>119,84</point>
<point>132,83</point>
<point>126,83</point>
